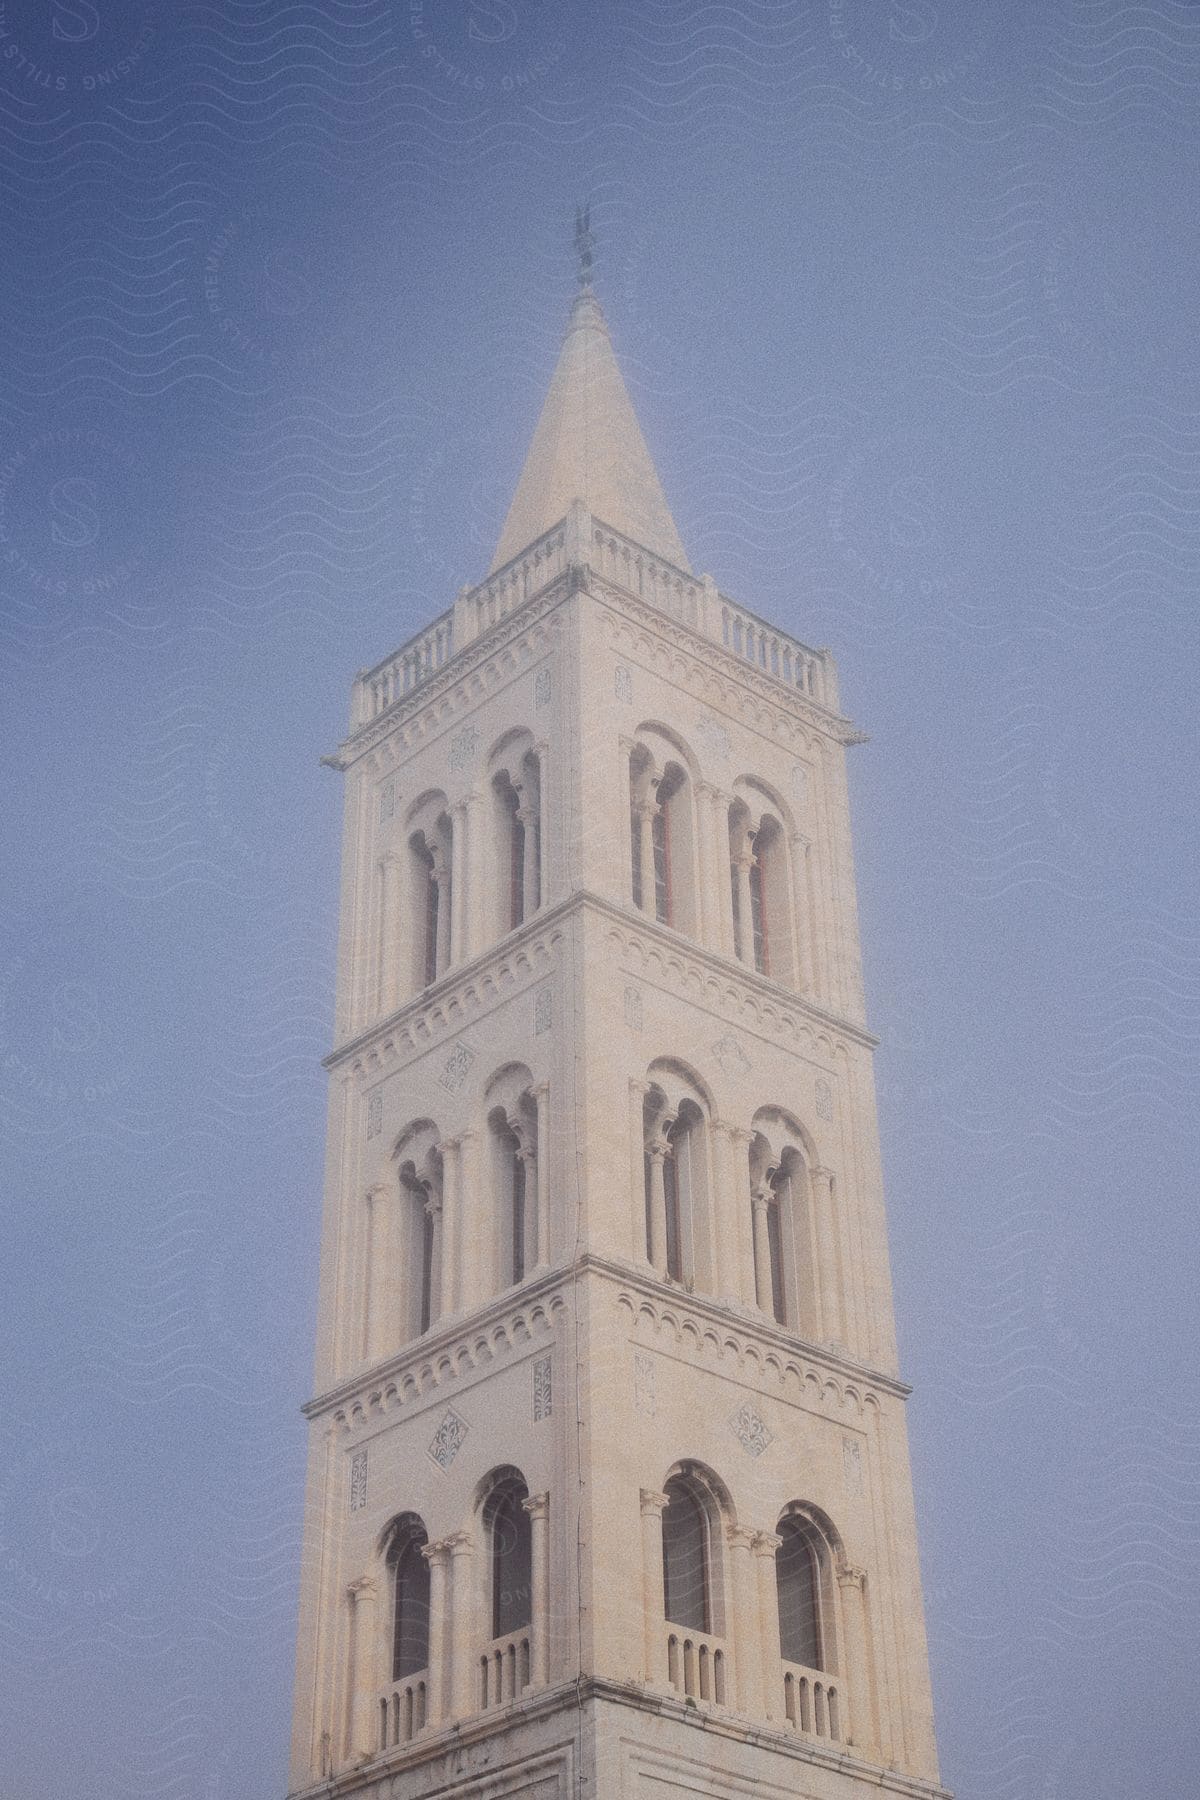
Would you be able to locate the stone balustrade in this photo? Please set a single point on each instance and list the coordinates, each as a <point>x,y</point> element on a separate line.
<point>403,1709</point>
<point>693,600</point>
<point>812,1703</point>
<point>696,1665</point>
<point>504,1669</point>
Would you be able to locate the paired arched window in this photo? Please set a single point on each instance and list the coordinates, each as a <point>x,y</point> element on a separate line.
<point>661,834</point>
<point>508,1535</point>
<point>785,1258</point>
<point>408,1571</point>
<point>760,878</point>
<point>512,1147</point>
<point>431,847</point>
<point>420,1174</point>
<point>517,831</point>
<point>675,1177</point>
<point>687,1572</point>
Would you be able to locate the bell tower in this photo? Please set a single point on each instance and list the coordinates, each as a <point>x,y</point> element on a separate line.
<point>608,1489</point>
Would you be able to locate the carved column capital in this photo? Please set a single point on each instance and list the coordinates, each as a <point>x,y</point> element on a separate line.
<point>849,1576</point>
<point>437,1552</point>
<point>653,1503</point>
<point>379,1192</point>
<point>738,1537</point>
<point>537,1506</point>
<point>766,1543</point>
<point>363,1589</point>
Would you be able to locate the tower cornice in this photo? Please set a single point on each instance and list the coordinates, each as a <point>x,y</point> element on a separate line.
<point>447,1006</point>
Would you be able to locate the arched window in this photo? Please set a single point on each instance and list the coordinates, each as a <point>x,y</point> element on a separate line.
<point>774,1226</point>
<point>798,1581</point>
<point>431,857</point>
<point>675,1177</point>
<point>508,1533</point>
<point>409,1573</point>
<point>511,1196</point>
<point>421,1205</point>
<point>687,1597</point>
<point>661,834</point>
<point>785,1251</point>
<point>517,831</point>
<point>512,1245</point>
<point>760,887</point>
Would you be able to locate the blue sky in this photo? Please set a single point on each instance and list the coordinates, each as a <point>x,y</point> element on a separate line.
<point>904,294</point>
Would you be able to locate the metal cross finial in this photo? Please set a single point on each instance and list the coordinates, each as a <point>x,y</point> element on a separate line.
<point>584,244</point>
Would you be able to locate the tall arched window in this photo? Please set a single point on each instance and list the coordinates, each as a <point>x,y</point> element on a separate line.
<point>676,1189</point>
<point>421,1202</point>
<point>774,1226</point>
<point>782,1224</point>
<point>510,1557</point>
<point>511,1196</point>
<point>798,1581</point>
<point>516,785</point>
<point>409,1573</point>
<point>662,847</point>
<point>430,846</point>
<point>760,888</point>
<point>687,1595</point>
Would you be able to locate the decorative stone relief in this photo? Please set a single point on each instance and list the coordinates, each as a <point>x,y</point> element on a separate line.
<point>731,1056</point>
<point>358,1480</point>
<point>543,1010</point>
<point>375,1112</point>
<point>633,1008</point>
<point>713,735</point>
<point>852,1465</point>
<point>543,687</point>
<point>463,746</point>
<point>824,1098</point>
<point>387,801</point>
<point>448,1439</point>
<point>645,1399</point>
<point>750,1429</point>
<point>458,1067</point>
<point>623,684</point>
<point>800,782</point>
<point>543,1388</point>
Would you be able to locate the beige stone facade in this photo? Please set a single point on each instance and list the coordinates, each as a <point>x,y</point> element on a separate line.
<point>609,1490</point>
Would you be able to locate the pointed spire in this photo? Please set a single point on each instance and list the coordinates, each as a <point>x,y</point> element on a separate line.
<point>588,445</point>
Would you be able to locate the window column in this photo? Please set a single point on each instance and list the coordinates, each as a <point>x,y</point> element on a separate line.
<point>473,873</point>
<point>451,1258</point>
<point>766,1543</point>
<point>390,917</point>
<point>471,1238</point>
<point>645,811</point>
<point>802,890</point>
<point>443,877</point>
<point>760,1199</point>
<point>829,1310</point>
<point>857,1719</point>
<point>458,883</point>
<point>538,1508</point>
<point>625,791</point>
<point>462,1699</point>
<point>708,922</point>
<point>541,1178</point>
<point>380,1334</point>
<point>363,1675</point>
<point>437,1283</point>
<point>658,1152</point>
<point>653,1594</point>
<point>437,1556</point>
<point>747,1656</point>
<point>740,1140</point>
<point>637,1160</point>
<point>743,862</point>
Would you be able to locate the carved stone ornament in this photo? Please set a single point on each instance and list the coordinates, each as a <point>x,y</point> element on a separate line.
<point>824,1098</point>
<point>750,1429</point>
<point>458,1067</point>
<point>463,746</point>
<point>387,801</point>
<point>731,1056</point>
<point>633,1008</point>
<point>852,1465</point>
<point>645,1397</point>
<point>358,1480</point>
<point>448,1439</point>
<point>543,1010</point>
<point>543,687</point>
<point>375,1112</point>
<point>543,1388</point>
<point>623,684</point>
<point>713,735</point>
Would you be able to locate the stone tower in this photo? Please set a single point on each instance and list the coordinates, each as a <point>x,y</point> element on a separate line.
<point>608,1490</point>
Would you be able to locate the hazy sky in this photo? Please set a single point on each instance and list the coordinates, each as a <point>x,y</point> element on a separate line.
<point>905,294</point>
